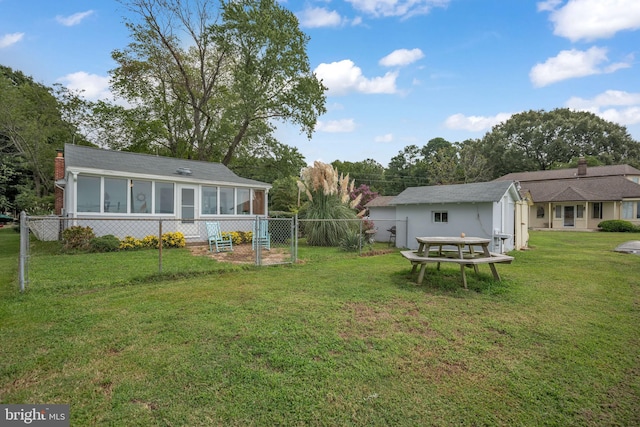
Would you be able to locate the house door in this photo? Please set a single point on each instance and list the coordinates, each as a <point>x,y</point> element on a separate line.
<point>188,209</point>
<point>569,216</point>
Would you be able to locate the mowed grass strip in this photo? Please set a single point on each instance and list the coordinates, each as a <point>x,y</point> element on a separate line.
<point>337,339</point>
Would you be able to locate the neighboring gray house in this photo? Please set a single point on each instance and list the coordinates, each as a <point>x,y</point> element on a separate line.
<point>580,198</point>
<point>93,183</point>
<point>383,216</point>
<point>486,209</point>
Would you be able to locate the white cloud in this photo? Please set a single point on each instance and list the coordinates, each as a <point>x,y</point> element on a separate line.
<point>475,123</point>
<point>384,138</point>
<point>549,5</point>
<point>75,19</point>
<point>572,63</point>
<point>623,107</point>
<point>92,86</point>
<point>402,8</point>
<point>336,126</point>
<point>401,57</point>
<point>316,17</point>
<point>10,39</point>
<point>344,76</point>
<point>592,19</point>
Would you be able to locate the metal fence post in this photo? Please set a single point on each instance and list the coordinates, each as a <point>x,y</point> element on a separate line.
<point>360,238</point>
<point>160,246</point>
<point>24,236</point>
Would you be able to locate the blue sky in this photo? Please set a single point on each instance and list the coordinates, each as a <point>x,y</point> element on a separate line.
<point>399,72</point>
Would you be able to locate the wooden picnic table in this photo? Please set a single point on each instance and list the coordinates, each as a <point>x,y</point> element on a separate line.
<point>459,250</point>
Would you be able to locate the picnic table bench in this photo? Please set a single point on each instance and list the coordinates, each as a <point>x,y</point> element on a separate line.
<point>463,254</point>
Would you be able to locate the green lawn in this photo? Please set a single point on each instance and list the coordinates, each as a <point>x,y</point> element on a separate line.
<point>336,339</point>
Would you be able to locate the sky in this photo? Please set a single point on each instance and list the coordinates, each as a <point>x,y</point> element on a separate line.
<point>398,72</point>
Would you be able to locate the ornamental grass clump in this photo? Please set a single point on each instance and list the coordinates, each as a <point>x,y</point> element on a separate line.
<point>329,207</point>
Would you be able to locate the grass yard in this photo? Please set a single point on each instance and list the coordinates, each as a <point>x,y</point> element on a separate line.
<point>337,339</point>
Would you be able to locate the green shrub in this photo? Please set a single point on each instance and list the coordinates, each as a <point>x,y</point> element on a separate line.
<point>77,237</point>
<point>108,243</point>
<point>352,242</point>
<point>618,225</point>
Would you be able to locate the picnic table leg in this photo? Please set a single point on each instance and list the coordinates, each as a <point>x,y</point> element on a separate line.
<point>475,266</point>
<point>494,270</point>
<point>464,276</point>
<point>423,267</point>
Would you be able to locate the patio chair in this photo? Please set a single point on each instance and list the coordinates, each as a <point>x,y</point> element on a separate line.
<point>215,237</point>
<point>261,236</point>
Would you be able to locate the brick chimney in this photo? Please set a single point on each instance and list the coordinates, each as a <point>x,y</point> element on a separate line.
<point>582,166</point>
<point>58,173</point>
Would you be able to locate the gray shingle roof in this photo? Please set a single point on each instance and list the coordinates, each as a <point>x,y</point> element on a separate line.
<point>77,156</point>
<point>592,171</point>
<point>460,193</point>
<point>610,188</point>
<point>380,201</point>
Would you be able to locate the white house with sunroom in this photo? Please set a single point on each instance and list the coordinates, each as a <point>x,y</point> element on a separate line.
<point>97,184</point>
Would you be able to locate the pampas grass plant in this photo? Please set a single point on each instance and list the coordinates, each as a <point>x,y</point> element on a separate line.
<point>329,208</point>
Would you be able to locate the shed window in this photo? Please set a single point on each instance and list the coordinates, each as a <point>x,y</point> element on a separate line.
<point>440,217</point>
<point>88,193</point>
<point>115,195</point>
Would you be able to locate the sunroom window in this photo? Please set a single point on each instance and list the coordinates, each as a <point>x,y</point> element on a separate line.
<point>88,193</point>
<point>115,195</point>
<point>140,196</point>
<point>164,198</point>
<point>209,200</point>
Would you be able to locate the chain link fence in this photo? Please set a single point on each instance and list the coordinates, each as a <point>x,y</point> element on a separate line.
<point>253,240</point>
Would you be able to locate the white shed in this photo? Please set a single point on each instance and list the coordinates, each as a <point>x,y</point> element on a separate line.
<point>484,209</point>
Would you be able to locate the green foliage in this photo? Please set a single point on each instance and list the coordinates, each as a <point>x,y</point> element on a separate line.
<point>77,238</point>
<point>283,196</point>
<point>107,243</point>
<point>353,241</point>
<point>618,225</point>
<point>540,140</point>
<point>27,200</point>
<point>207,83</point>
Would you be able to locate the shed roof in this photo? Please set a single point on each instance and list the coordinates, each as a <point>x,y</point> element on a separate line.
<point>77,156</point>
<point>459,193</point>
<point>380,201</point>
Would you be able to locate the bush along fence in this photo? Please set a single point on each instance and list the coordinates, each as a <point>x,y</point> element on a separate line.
<point>252,240</point>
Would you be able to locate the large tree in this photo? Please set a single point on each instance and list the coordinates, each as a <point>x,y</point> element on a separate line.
<point>32,127</point>
<point>204,78</point>
<point>368,172</point>
<point>540,140</point>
